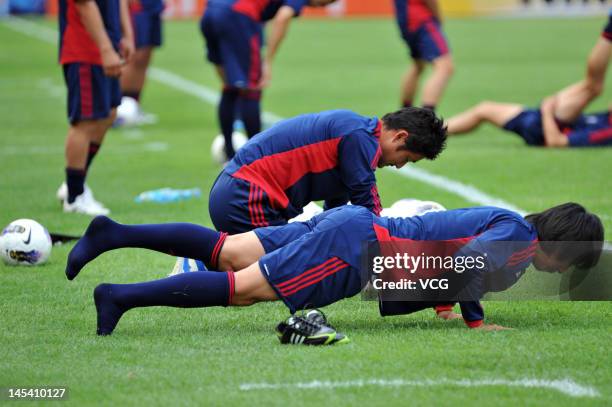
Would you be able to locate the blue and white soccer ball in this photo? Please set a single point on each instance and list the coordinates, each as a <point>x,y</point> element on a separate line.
<point>25,242</point>
<point>217,149</point>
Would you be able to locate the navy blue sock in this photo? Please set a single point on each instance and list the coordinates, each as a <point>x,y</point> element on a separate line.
<point>187,290</point>
<point>75,180</point>
<point>430,107</point>
<point>177,239</point>
<point>134,94</point>
<point>227,113</point>
<point>91,154</point>
<point>250,111</point>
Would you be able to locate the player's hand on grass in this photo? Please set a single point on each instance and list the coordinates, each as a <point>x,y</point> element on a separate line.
<point>127,49</point>
<point>111,62</point>
<point>448,315</point>
<point>266,74</point>
<point>492,327</point>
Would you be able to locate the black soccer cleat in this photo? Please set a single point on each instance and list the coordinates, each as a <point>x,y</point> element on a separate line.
<point>298,330</point>
<point>317,316</point>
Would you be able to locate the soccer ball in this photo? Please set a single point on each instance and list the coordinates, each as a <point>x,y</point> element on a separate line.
<point>217,149</point>
<point>127,111</point>
<point>25,242</point>
<point>405,208</point>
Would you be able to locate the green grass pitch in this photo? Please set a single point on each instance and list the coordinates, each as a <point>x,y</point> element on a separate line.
<point>186,357</point>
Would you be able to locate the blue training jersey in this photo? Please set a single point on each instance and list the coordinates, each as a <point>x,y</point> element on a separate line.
<point>328,156</point>
<point>259,10</point>
<point>508,240</point>
<point>590,130</point>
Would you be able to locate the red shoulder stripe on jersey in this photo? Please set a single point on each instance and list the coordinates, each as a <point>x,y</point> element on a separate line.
<point>275,173</point>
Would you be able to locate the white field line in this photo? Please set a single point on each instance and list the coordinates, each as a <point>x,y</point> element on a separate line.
<point>154,146</point>
<point>565,386</point>
<point>467,192</point>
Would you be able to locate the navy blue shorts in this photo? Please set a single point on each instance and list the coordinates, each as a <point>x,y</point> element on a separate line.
<point>238,206</point>
<point>528,125</point>
<point>607,32</point>
<point>91,94</point>
<point>324,265</point>
<point>233,41</point>
<point>147,29</point>
<point>427,42</point>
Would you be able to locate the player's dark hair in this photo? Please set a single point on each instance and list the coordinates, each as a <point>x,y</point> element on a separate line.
<point>570,233</point>
<point>427,131</point>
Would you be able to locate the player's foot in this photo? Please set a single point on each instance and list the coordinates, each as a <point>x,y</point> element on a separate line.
<point>93,243</point>
<point>84,203</point>
<point>109,313</point>
<point>299,330</point>
<point>130,114</point>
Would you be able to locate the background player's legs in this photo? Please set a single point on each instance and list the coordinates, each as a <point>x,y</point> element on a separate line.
<point>226,111</point>
<point>572,100</point>
<point>82,144</point>
<point>134,74</point>
<point>433,89</point>
<point>249,104</point>
<point>188,290</point>
<point>410,82</point>
<point>495,113</point>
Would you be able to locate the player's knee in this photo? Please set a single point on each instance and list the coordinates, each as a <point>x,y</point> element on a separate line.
<point>483,108</point>
<point>445,66</point>
<point>595,87</point>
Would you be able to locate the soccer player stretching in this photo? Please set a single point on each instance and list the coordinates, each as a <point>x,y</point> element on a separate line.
<point>94,35</point>
<point>233,33</point>
<point>329,156</point>
<point>559,122</point>
<point>420,24</point>
<point>319,262</point>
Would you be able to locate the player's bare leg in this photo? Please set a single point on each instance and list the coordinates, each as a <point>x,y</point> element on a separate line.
<point>410,82</point>
<point>133,75</point>
<point>572,100</point>
<point>239,251</point>
<point>433,89</point>
<point>495,113</point>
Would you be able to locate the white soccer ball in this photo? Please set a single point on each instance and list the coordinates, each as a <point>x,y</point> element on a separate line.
<point>405,208</point>
<point>25,242</point>
<point>128,111</point>
<point>217,149</point>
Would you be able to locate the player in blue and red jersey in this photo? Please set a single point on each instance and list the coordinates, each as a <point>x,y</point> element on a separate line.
<point>233,32</point>
<point>147,25</point>
<point>420,24</point>
<point>329,156</point>
<point>559,122</point>
<point>319,262</point>
<point>94,35</point>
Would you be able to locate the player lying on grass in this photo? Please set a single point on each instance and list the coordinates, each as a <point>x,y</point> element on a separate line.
<point>329,156</point>
<point>559,121</point>
<point>316,263</point>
